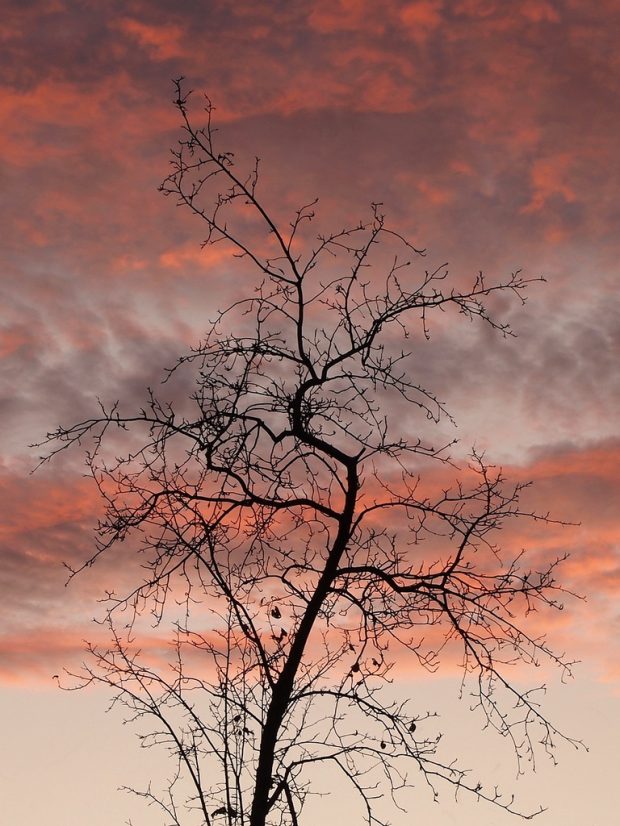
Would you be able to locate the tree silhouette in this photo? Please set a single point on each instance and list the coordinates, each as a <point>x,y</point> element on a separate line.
<point>301,529</point>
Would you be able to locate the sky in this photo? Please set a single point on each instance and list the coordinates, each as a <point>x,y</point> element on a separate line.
<point>489,131</point>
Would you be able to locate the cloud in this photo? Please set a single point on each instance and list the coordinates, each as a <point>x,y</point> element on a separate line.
<point>421,18</point>
<point>36,657</point>
<point>487,128</point>
<point>162,42</point>
<point>49,519</point>
<point>351,16</point>
<point>548,180</point>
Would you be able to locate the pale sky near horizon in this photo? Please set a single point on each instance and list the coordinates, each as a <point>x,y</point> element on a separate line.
<point>488,129</point>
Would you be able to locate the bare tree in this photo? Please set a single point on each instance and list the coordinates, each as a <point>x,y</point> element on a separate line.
<point>285,508</point>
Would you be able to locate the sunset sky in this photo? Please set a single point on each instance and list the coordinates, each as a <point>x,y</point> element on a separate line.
<point>489,130</point>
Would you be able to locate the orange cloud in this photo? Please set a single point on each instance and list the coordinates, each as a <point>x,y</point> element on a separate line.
<point>13,339</point>
<point>48,521</point>
<point>191,254</point>
<point>549,178</point>
<point>435,195</point>
<point>538,11</point>
<point>421,18</point>
<point>100,284</point>
<point>43,504</point>
<point>162,42</point>
<point>346,15</point>
<point>37,656</point>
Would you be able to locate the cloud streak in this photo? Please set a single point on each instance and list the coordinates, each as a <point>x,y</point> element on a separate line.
<point>48,521</point>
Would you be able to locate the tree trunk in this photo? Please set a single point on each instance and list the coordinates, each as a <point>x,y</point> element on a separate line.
<point>261,803</point>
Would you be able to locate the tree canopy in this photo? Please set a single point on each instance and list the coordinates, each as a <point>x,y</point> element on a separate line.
<point>291,512</point>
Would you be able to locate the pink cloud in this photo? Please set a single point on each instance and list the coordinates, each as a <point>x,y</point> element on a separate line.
<point>421,18</point>
<point>345,15</point>
<point>537,11</point>
<point>161,41</point>
<point>549,178</point>
<point>38,656</point>
<point>48,521</point>
<point>106,279</point>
